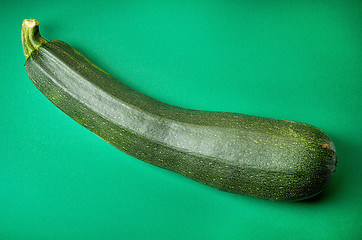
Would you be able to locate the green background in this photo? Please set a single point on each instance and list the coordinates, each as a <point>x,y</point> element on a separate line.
<point>296,60</point>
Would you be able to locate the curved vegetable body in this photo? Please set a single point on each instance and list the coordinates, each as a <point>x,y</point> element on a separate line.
<point>262,157</point>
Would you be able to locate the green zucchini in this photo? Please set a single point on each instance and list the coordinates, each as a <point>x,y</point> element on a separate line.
<point>262,157</point>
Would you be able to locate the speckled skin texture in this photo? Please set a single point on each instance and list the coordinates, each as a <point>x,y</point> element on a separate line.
<point>261,157</point>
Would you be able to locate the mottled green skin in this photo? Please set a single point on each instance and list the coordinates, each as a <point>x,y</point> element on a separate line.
<point>262,157</point>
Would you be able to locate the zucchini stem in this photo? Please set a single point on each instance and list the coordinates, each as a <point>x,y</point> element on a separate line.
<point>31,37</point>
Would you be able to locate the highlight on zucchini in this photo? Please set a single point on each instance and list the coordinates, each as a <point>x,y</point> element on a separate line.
<point>257,156</point>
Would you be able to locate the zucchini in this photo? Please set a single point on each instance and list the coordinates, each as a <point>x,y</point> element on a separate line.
<point>262,157</point>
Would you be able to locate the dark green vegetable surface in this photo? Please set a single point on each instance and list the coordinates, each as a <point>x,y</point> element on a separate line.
<point>262,157</point>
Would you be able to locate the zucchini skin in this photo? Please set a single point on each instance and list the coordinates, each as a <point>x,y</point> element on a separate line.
<point>261,157</point>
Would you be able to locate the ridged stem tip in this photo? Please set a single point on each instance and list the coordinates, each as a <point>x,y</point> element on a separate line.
<point>31,37</point>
